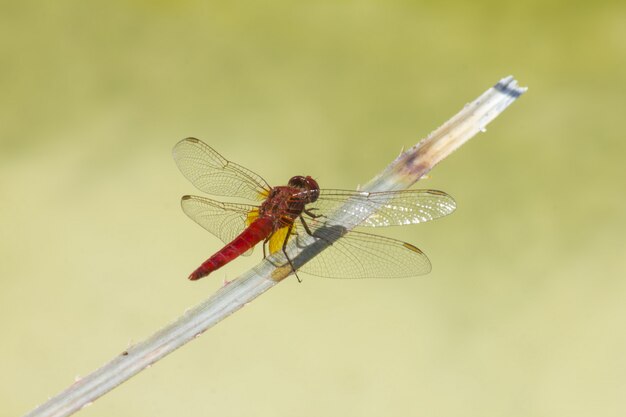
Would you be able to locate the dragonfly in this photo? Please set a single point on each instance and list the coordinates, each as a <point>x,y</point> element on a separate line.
<point>303,212</point>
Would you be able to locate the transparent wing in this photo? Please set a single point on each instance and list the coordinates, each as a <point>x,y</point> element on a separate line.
<point>212,173</point>
<point>224,220</point>
<point>357,255</point>
<point>395,208</point>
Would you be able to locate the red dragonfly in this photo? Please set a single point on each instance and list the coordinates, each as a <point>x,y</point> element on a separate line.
<point>298,211</point>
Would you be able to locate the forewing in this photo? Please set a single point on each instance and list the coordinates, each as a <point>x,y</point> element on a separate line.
<point>224,220</point>
<point>391,208</point>
<point>360,255</point>
<point>212,173</point>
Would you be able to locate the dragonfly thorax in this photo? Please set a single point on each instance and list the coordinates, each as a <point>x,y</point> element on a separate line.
<point>283,205</point>
<point>286,203</point>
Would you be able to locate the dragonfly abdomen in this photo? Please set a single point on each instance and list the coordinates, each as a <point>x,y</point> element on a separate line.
<point>259,230</point>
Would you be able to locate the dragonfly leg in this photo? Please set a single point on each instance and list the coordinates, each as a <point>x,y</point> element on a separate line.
<point>306,226</point>
<point>308,231</point>
<point>267,239</point>
<point>285,252</point>
<point>309,212</point>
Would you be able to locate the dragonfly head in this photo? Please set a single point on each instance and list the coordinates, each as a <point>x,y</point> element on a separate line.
<point>307,184</point>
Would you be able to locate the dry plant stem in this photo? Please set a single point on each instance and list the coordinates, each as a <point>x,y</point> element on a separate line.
<point>400,174</point>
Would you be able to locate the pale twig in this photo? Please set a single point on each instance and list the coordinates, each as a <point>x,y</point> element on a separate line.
<point>400,174</point>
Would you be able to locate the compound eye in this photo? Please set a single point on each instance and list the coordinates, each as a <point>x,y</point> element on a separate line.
<point>298,181</point>
<point>311,183</point>
<point>313,188</point>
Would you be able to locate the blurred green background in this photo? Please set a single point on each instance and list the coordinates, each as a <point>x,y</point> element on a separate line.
<point>524,313</point>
